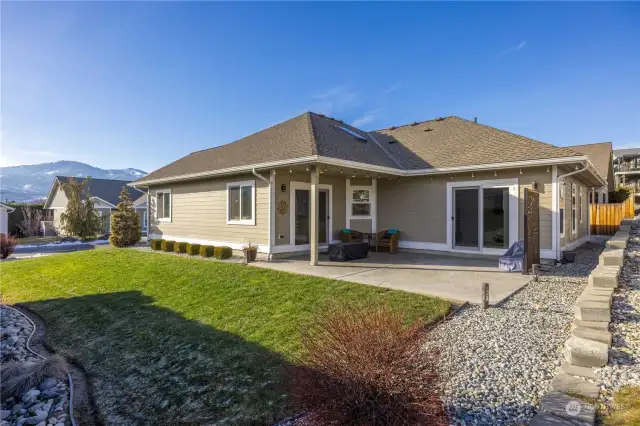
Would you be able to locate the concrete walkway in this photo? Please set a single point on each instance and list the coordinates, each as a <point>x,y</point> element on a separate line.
<point>444,276</point>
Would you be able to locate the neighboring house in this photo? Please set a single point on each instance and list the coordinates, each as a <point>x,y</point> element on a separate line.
<point>626,165</point>
<point>4,218</point>
<point>601,156</point>
<point>447,184</point>
<point>106,196</point>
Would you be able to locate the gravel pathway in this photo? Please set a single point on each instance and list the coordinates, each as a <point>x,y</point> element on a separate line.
<point>45,405</point>
<point>624,355</point>
<point>499,362</point>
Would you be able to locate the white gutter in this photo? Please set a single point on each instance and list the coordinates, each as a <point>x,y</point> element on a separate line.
<point>367,167</point>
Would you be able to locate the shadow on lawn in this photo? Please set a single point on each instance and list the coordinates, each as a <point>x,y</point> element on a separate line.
<point>150,365</point>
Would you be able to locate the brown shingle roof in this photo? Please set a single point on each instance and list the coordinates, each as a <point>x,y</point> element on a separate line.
<point>306,135</point>
<point>440,143</point>
<point>454,142</point>
<point>599,154</point>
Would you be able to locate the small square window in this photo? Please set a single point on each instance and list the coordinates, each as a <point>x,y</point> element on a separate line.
<point>240,203</point>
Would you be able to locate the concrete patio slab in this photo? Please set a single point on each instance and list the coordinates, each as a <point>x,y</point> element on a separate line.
<point>447,277</point>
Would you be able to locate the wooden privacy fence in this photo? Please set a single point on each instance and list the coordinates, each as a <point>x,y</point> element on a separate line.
<point>605,219</point>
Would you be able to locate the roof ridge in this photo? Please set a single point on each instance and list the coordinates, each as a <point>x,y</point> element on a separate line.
<point>249,135</point>
<point>592,143</point>
<point>415,123</point>
<point>519,136</point>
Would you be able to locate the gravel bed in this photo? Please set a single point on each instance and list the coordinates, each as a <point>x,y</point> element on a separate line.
<point>232,259</point>
<point>624,356</point>
<point>45,405</point>
<point>499,362</point>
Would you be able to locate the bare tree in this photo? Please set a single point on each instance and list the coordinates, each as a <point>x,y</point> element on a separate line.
<point>31,218</point>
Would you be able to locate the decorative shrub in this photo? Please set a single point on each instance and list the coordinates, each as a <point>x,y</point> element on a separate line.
<point>167,245</point>
<point>155,244</point>
<point>365,367</point>
<point>180,247</point>
<point>223,252</point>
<point>7,245</point>
<point>207,251</point>
<point>193,249</point>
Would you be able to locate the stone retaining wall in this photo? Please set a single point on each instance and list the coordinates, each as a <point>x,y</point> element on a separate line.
<point>588,346</point>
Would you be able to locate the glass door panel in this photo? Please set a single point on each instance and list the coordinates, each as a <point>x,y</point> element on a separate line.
<point>495,230</point>
<point>323,216</point>
<point>302,220</point>
<point>466,204</point>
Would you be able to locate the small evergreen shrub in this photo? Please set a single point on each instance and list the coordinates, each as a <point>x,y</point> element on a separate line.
<point>223,252</point>
<point>7,245</point>
<point>193,249</point>
<point>207,251</point>
<point>167,245</point>
<point>155,244</point>
<point>180,247</point>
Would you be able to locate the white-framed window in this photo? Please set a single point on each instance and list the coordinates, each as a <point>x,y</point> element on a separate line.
<point>163,205</point>
<point>582,197</point>
<point>574,218</point>
<point>241,201</point>
<point>561,208</point>
<point>360,202</point>
<point>144,220</point>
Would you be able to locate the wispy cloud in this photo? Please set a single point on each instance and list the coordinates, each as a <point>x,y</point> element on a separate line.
<point>333,100</point>
<point>366,118</point>
<point>392,88</point>
<point>513,49</point>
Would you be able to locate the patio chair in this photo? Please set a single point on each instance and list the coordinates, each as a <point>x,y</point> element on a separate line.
<point>351,236</point>
<point>388,238</point>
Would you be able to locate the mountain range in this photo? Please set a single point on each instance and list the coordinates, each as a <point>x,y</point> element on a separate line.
<point>33,182</point>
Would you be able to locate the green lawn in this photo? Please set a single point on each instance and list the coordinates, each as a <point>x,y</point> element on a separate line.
<point>173,340</point>
<point>37,240</point>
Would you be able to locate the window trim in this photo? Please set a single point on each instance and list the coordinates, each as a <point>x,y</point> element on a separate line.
<point>562,204</point>
<point>164,219</point>
<point>249,222</point>
<point>574,213</point>
<point>581,206</point>
<point>351,202</point>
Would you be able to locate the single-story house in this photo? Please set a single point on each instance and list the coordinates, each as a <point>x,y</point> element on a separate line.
<point>106,196</point>
<point>449,185</point>
<point>4,218</point>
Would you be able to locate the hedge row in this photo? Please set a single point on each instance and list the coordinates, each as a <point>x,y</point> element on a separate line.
<point>223,252</point>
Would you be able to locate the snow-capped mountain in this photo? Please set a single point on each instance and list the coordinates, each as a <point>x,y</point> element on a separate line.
<point>32,182</point>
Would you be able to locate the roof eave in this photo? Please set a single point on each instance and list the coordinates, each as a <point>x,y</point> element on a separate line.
<point>368,167</point>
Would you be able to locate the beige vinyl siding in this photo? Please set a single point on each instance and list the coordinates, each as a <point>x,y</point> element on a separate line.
<point>418,206</point>
<point>59,199</point>
<point>282,222</point>
<point>199,211</point>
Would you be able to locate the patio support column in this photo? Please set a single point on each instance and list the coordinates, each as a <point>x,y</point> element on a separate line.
<point>313,207</point>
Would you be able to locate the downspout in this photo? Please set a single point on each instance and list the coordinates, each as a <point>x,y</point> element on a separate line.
<point>268,181</point>
<point>560,181</point>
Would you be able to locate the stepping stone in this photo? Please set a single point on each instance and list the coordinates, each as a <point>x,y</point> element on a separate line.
<point>574,385</point>
<point>604,277</point>
<point>597,335</point>
<point>576,370</point>
<point>592,311</point>
<point>569,408</point>
<point>585,353</point>
<point>598,290</point>
<point>629,222</point>
<point>594,297</point>
<point>624,228</point>
<point>546,419</point>
<point>596,325</point>
<point>612,257</point>
<point>617,242</point>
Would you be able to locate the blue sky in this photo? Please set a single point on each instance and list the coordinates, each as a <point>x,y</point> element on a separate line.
<point>140,84</point>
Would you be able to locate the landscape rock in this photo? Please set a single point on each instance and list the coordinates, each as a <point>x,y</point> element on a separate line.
<point>568,407</point>
<point>574,385</point>
<point>585,353</point>
<point>591,334</point>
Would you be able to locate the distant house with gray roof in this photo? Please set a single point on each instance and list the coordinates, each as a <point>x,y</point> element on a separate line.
<point>106,196</point>
<point>447,184</point>
<point>626,165</point>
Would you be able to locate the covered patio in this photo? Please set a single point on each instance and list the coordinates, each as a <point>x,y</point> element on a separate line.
<point>455,278</point>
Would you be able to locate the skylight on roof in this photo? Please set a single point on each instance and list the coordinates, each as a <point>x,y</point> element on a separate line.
<point>352,133</point>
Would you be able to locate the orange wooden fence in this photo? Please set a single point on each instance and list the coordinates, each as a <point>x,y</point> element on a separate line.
<point>605,218</point>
